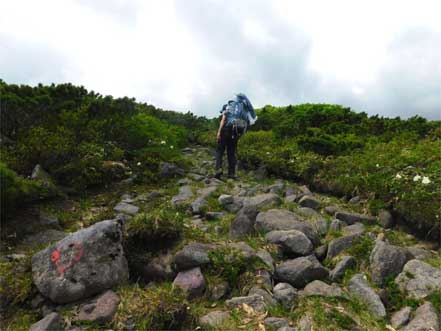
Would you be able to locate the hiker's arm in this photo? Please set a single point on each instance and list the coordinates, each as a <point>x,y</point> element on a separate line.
<point>221,125</point>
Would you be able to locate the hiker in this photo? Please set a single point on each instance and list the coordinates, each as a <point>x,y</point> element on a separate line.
<point>237,115</point>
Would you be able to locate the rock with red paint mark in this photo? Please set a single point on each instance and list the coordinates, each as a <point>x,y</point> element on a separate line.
<point>82,264</point>
<point>192,282</point>
<point>101,309</point>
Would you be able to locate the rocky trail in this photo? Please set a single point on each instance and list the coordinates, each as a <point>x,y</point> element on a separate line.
<point>206,254</point>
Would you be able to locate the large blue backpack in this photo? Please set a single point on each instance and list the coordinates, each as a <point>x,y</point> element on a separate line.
<point>241,114</point>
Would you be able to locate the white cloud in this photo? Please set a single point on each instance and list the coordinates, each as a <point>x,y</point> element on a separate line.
<point>373,55</point>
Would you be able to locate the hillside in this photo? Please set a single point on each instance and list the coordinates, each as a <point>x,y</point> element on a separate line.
<point>330,226</point>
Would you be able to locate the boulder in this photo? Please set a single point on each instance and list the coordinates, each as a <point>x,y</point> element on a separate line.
<point>300,271</point>
<point>356,228</point>
<point>243,224</point>
<point>419,279</point>
<point>225,199</point>
<point>266,258</point>
<point>254,301</point>
<point>267,297</point>
<point>192,282</point>
<point>321,251</point>
<point>214,215</point>
<point>167,170</point>
<point>126,208</point>
<point>336,225</point>
<point>305,190</point>
<point>282,219</point>
<point>276,187</point>
<point>263,200</point>
<point>320,225</point>
<point>219,290</point>
<point>310,202</point>
<point>183,195</point>
<point>291,198</point>
<point>386,219</point>
<point>387,260</point>
<point>359,287</point>
<point>351,218</point>
<point>214,319</point>
<point>198,205</point>
<point>292,242</point>
<point>317,287</point>
<point>84,263</point>
<point>52,322</point>
<point>100,310</point>
<point>159,269</point>
<point>192,255</point>
<point>400,318</point>
<point>184,181</point>
<point>338,245</point>
<point>308,212</point>
<point>242,248</point>
<point>285,294</point>
<point>354,200</point>
<point>275,323</point>
<point>426,319</point>
<point>344,264</point>
<point>331,210</point>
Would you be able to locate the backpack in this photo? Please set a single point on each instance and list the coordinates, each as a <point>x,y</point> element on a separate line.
<point>241,114</point>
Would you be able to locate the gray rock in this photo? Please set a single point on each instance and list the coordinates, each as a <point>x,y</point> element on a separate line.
<point>309,201</point>
<point>356,228</point>
<point>320,288</point>
<point>214,215</point>
<point>355,200</point>
<point>84,263</point>
<point>214,319</point>
<point>192,282</point>
<point>243,224</point>
<point>235,206</point>
<point>192,255</point>
<point>344,264</point>
<point>168,170</point>
<point>159,269</point>
<point>275,323</point>
<point>225,199</point>
<point>359,287</point>
<point>52,322</point>
<point>126,208</point>
<point>305,190</point>
<point>242,248</point>
<point>267,297</point>
<point>207,191</point>
<point>263,200</point>
<point>331,210</point>
<point>263,279</point>
<point>49,220</point>
<point>187,150</point>
<point>44,237</point>
<point>100,310</point>
<point>291,199</point>
<point>299,272</point>
<point>285,294</point>
<point>37,301</point>
<point>266,258</point>
<point>290,191</point>
<point>320,226</point>
<point>400,318</point>
<point>147,197</point>
<point>336,225</point>
<point>426,319</point>
<point>305,324</point>
<point>387,260</point>
<point>282,219</point>
<point>123,217</point>
<point>219,290</point>
<point>351,218</point>
<point>338,245</point>
<point>276,187</point>
<point>183,195</point>
<point>254,301</point>
<point>198,205</point>
<point>184,181</point>
<point>291,241</point>
<point>386,219</point>
<point>287,328</point>
<point>308,212</point>
<point>321,251</point>
<point>419,279</point>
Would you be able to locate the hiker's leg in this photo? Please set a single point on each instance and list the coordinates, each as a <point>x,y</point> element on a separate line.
<point>231,151</point>
<point>220,149</point>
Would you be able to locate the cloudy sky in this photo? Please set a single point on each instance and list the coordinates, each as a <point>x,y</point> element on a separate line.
<point>376,56</point>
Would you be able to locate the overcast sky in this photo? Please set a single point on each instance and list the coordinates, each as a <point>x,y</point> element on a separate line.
<point>376,56</point>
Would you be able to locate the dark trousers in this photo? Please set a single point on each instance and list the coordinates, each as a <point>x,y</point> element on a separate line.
<point>229,141</point>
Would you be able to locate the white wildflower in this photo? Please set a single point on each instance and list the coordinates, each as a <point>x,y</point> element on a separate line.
<point>398,176</point>
<point>416,178</point>
<point>377,165</point>
<point>138,164</point>
<point>162,142</point>
<point>171,146</point>
<point>425,180</point>
<point>267,153</point>
<point>291,161</point>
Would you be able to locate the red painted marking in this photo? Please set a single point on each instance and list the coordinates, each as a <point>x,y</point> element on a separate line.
<point>56,254</point>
